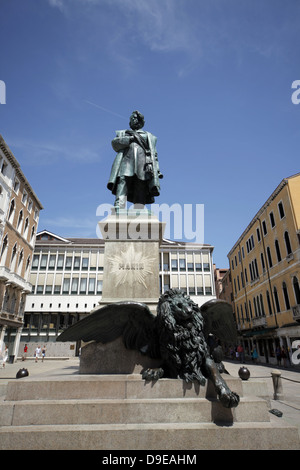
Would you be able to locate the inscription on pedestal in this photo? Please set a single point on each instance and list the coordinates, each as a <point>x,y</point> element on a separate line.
<point>131,266</point>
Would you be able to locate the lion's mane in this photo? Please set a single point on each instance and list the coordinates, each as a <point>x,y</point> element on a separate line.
<point>182,343</point>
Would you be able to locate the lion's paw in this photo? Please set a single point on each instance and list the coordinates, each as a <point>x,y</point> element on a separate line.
<point>229,399</point>
<point>153,374</point>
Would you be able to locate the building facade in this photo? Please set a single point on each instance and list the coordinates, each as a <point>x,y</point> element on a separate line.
<point>67,278</point>
<point>265,272</point>
<point>19,215</point>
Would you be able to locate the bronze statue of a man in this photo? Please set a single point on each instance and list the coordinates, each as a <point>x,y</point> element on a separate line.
<point>135,172</point>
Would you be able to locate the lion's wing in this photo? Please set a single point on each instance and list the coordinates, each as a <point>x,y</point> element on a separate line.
<point>132,320</point>
<point>218,320</point>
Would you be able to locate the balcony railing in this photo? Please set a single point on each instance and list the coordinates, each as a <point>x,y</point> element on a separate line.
<point>296,312</point>
<point>9,276</point>
<point>259,321</point>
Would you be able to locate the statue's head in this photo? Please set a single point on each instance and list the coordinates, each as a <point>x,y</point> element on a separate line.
<point>137,120</point>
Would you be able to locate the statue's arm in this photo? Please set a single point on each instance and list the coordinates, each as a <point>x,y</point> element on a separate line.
<point>120,143</point>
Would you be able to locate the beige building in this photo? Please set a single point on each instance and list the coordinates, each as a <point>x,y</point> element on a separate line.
<point>19,215</point>
<point>265,271</point>
<point>67,279</point>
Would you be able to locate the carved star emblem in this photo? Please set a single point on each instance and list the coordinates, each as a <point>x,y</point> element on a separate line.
<point>131,266</point>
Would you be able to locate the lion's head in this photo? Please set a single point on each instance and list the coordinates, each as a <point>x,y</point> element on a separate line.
<point>181,306</point>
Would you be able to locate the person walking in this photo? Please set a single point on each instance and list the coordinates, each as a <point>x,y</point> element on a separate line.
<point>38,353</point>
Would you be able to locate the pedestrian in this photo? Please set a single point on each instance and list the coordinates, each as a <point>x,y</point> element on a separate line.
<point>236,354</point>
<point>278,355</point>
<point>38,353</point>
<point>43,353</point>
<point>284,356</point>
<point>254,355</point>
<point>25,352</point>
<point>240,350</point>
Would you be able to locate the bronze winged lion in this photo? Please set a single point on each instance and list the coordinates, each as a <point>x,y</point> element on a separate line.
<point>181,335</point>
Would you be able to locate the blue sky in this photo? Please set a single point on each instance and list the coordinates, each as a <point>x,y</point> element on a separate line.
<point>213,79</point>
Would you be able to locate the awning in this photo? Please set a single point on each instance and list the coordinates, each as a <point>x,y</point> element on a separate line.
<point>265,331</point>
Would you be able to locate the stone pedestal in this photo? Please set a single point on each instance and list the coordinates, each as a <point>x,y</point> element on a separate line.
<point>131,257</point>
<point>113,358</point>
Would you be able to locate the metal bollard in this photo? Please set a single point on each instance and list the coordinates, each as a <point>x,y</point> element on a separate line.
<point>277,385</point>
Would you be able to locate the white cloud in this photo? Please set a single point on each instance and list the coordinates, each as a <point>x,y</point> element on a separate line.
<point>45,153</point>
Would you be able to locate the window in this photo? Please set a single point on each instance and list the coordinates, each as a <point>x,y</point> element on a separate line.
<point>57,289</point>
<point>11,211</point>
<point>264,227</point>
<point>13,257</point>
<point>269,257</point>
<point>250,309</point>
<point>44,260</point>
<point>269,303</point>
<point>68,262</point>
<point>286,296</point>
<point>26,225</point>
<point>276,300</point>
<point>30,204</point>
<point>287,243</point>
<point>281,210</point>
<point>85,263</point>
<point>35,262</point>
<point>16,185</point>
<point>272,219</point>
<point>66,285</point>
<point>174,265</point>
<point>262,262</point>
<point>258,234</point>
<point>77,262</point>
<point>99,286</point>
<point>262,305</point>
<point>206,267</point>
<point>4,167</point>
<point>74,287</point>
<point>52,261</point>
<point>20,219</point>
<point>83,284</point>
<point>4,246</point>
<point>60,261</point>
<point>182,264</point>
<point>92,285</point>
<point>277,248</point>
<point>24,197</point>
<point>32,234</point>
<point>296,290</point>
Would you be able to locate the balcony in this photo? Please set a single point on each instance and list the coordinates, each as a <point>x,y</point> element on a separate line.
<point>259,322</point>
<point>17,281</point>
<point>296,313</point>
<point>11,319</point>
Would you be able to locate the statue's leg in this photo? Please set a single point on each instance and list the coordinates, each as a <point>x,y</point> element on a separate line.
<point>228,398</point>
<point>121,193</point>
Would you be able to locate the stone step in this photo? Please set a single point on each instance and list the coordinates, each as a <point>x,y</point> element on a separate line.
<point>110,387</point>
<point>150,437</point>
<point>124,411</point>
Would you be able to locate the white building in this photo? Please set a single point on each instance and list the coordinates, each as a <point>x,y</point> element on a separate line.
<point>67,276</point>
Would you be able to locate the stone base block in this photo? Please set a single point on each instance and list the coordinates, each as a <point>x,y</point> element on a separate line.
<point>113,358</point>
